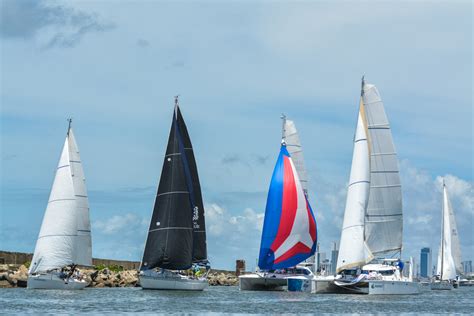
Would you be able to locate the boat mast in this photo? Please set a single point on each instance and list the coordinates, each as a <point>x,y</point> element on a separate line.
<point>442,236</point>
<point>69,126</point>
<point>283,119</point>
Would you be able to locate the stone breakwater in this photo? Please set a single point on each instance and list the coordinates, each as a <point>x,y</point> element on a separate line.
<point>17,275</point>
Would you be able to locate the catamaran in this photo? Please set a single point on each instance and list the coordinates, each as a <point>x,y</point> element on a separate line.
<point>289,229</point>
<point>449,266</point>
<point>373,220</point>
<point>64,240</point>
<point>175,256</point>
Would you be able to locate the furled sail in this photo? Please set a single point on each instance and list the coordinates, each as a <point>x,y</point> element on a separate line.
<point>293,145</point>
<point>289,229</point>
<point>353,251</point>
<point>384,216</point>
<point>176,236</point>
<point>446,267</point>
<point>64,236</point>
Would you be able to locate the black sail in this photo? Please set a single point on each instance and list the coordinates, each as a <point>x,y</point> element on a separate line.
<point>199,223</point>
<point>170,236</point>
<point>176,236</point>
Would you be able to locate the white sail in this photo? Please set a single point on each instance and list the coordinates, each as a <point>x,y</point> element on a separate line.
<point>64,236</point>
<point>384,216</point>
<point>455,247</point>
<point>446,267</point>
<point>353,251</point>
<point>84,242</point>
<point>56,241</point>
<point>293,145</point>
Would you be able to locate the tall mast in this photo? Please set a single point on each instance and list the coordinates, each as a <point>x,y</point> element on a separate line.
<point>176,104</point>
<point>362,83</point>
<point>283,119</point>
<point>69,126</point>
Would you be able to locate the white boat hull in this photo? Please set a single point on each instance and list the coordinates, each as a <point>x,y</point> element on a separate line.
<point>386,287</point>
<point>54,282</point>
<point>256,282</point>
<point>162,283</point>
<point>441,286</point>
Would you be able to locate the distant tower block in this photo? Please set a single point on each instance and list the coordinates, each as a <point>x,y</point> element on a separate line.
<point>239,267</point>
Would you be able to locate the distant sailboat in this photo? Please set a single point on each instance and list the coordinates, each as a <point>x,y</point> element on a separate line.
<point>373,219</point>
<point>64,240</point>
<point>289,229</point>
<point>446,267</point>
<point>176,238</point>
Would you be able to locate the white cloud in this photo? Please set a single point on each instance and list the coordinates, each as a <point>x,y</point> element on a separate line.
<point>219,220</point>
<point>120,224</point>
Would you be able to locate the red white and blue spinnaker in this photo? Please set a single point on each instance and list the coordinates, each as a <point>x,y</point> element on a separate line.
<point>289,230</point>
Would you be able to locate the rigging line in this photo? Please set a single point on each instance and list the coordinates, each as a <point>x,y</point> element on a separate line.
<point>168,228</point>
<point>61,200</point>
<point>362,181</point>
<point>173,192</point>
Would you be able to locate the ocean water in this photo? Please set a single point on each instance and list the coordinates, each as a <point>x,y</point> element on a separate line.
<point>217,300</point>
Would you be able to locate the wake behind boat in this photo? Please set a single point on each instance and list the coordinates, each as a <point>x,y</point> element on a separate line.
<point>64,240</point>
<point>289,229</point>
<point>175,256</point>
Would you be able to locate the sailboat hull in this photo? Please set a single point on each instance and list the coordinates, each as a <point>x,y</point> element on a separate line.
<point>172,283</point>
<point>385,287</point>
<point>443,285</point>
<point>54,282</point>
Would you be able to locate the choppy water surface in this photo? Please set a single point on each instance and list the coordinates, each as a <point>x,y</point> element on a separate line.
<point>227,300</point>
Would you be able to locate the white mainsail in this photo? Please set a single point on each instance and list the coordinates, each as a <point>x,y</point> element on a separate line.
<point>353,250</point>
<point>64,236</point>
<point>384,215</point>
<point>293,145</point>
<point>446,267</point>
<point>455,247</point>
<point>84,242</point>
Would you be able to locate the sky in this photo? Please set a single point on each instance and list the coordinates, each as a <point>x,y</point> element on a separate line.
<point>114,67</point>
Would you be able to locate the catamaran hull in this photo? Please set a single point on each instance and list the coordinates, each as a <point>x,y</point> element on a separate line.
<point>156,283</point>
<point>382,287</point>
<point>54,282</point>
<point>441,286</point>
<point>255,282</point>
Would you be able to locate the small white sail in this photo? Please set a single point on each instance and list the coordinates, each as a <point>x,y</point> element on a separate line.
<point>293,145</point>
<point>455,247</point>
<point>84,242</point>
<point>446,267</point>
<point>64,236</point>
<point>384,218</point>
<point>56,243</point>
<point>353,251</point>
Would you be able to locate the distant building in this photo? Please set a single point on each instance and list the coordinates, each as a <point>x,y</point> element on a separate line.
<point>425,263</point>
<point>467,266</point>
<point>334,255</point>
<point>317,257</point>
